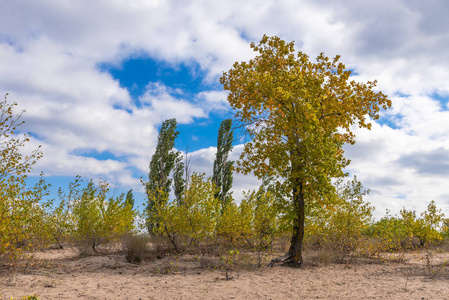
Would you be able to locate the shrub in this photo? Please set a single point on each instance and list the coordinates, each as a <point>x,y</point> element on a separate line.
<point>195,218</point>
<point>20,211</point>
<point>388,234</point>
<point>338,224</point>
<point>254,223</point>
<point>429,228</point>
<point>406,231</point>
<point>135,247</point>
<point>98,219</point>
<point>58,221</point>
<point>234,225</point>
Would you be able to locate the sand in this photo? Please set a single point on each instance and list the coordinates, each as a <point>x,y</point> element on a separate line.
<point>62,274</point>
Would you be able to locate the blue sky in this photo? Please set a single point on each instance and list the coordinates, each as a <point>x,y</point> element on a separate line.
<point>135,73</point>
<point>98,78</point>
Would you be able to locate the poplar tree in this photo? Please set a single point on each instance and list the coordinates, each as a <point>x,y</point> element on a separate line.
<point>129,199</point>
<point>299,114</point>
<point>181,176</point>
<point>161,165</point>
<point>222,176</point>
<point>178,180</point>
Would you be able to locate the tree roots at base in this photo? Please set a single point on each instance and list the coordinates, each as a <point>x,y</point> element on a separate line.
<point>286,260</point>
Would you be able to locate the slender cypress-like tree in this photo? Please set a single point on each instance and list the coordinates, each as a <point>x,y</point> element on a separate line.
<point>129,199</point>
<point>178,180</point>
<point>222,176</point>
<point>162,163</point>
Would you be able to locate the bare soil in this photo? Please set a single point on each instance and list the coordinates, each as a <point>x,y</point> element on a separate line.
<point>63,274</point>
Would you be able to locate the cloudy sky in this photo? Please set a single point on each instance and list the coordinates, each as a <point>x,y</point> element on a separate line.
<point>98,77</point>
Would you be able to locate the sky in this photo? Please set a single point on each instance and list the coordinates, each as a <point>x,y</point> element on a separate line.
<point>97,78</point>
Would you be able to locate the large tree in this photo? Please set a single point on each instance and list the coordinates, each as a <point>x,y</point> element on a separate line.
<point>161,165</point>
<point>222,176</point>
<point>299,114</point>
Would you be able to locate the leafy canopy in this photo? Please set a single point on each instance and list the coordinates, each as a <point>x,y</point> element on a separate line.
<point>299,113</point>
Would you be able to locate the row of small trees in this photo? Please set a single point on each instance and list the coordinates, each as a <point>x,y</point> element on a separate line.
<point>202,219</point>
<point>346,225</point>
<point>342,225</point>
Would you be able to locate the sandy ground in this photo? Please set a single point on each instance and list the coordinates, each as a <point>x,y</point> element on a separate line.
<point>61,274</point>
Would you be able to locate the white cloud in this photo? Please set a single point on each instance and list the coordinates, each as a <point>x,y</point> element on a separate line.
<point>50,51</point>
<point>399,169</point>
<point>165,106</point>
<point>214,101</point>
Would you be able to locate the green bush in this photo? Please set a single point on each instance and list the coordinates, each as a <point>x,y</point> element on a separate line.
<point>388,234</point>
<point>195,218</point>
<point>98,219</point>
<point>429,228</point>
<point>20,208</point>
<point>339,222</point>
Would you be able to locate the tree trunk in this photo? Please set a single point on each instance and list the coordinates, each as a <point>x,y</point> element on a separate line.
<point>295,251</point>
<point>293,257</point>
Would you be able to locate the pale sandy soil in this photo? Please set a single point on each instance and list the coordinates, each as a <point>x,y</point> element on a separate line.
<point>61,274</point>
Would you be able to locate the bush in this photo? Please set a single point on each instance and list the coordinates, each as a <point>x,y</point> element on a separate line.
<point>20,210</point>
<point>58,221</point>
<point>98,219</point>
<point>406,231</point>
<point>135,247</point>
<point>195,218</point>
<point>254,223</point>
<point>429,228</point>
<point>388,234</point>
<point>234,226</point>
<point>339,224</point>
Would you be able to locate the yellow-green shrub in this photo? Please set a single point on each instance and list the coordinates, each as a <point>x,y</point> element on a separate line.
<point>429,227</point>
<point>20,217</point>
<point>195,218</point>
<point>254,222</point>
<point>58,221</point>
<point>399,232</point>
<point>388,234</point>
<point>98,219</point>
<point>235,223</point>
<point>20,211</point>
<point>338,223</point>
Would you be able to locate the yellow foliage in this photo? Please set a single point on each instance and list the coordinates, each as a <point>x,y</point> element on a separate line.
<point>20,211</point>
<point>254,222</point>
<point>96,218</point>
<point>195,218</point>
<point>299,114</point>
<point>341,224</point>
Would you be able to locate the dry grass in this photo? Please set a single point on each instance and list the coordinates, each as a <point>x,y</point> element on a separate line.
<point>135,247</point>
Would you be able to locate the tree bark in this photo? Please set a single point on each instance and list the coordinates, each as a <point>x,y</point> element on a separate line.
<point>295,251</point>
<point>293,257</point>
